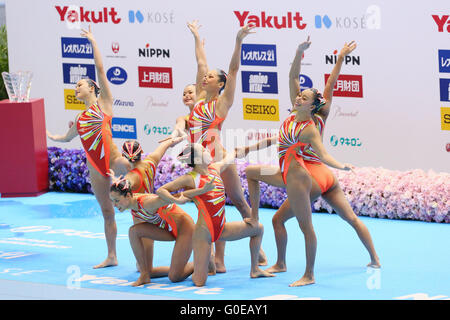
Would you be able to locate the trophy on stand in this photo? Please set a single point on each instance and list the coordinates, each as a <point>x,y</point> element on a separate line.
<point>18,85</point>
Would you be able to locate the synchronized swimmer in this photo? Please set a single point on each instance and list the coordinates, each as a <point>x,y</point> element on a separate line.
<point>303,171</point>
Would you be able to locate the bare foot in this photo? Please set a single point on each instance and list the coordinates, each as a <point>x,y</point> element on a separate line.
<point>220,267</point>
<point>303,282</point>
<point>109,262</point>
<point>143,279</point>
<point>277,268</point>
<point>262,259</point>
<point>259,273</point>
<point>211,266</point>
<point>374,264</point>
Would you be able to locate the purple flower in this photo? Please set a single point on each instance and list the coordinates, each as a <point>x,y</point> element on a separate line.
<point>374,192</point>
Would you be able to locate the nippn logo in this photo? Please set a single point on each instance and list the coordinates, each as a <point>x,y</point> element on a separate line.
<point>261,109</point>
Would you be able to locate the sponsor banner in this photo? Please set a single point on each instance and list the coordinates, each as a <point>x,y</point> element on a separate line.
<point>75,15</point>
<point>124,128</point>
<point>259,55</point>
<point>115,49</point>
<point>445,118</point>
<point>155,77</point>
<point>259,82</point>
<point>347,86</point>
<point>264,20</point>
<point>155,17</point>
<point>368,20</point>
<point>442,22</point>
<point>332,59</point>
<point>305,82</point>
<point>261,109</point>
<point>444,88</point>
<point>336,141</point>
<point>444,61</point>
<point>72,73</point>
<point>72,103</point>
<point>123,103</point>
<point>76,48</point>
<point>116,75</point>
<point>149,52</point>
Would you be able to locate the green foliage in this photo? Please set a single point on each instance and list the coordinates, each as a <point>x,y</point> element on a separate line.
<point>3,60</point>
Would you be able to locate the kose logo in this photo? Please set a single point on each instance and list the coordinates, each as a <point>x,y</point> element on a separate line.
<point>76,48</point>
<point>259,55</point>
<point>72,73</point>
<point>116,75</point>
<point>445,118</point>
<point>441,22</point>
<point>332,59</point>
<point>135,14</point>
<point>266,21</point>
<point>325,19</point>
<point>444,60</point>
<point>89,16</point>
<point>370,20</point>
<point>259,82</point>
<point>153,52</point>
<point>152,17</point>
<point>155,77</point>
<point>444,88</point>
<point>261,109</point>
<point>347,86</point>
<point>123,128</point>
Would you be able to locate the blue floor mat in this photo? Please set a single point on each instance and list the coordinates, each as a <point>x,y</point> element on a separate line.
<point>56,238</point>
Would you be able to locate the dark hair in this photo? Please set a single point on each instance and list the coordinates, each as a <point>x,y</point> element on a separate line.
<point>222,78</point>
<point>188,154</point>
<point>123,187</point>
<point>92,83</point>
<point>318,102</point>
<point>132,150</point>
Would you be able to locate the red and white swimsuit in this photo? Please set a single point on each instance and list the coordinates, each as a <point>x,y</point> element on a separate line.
<point>94,128</point>
<point>162,217</point>
<point>205,125</point>
<point>211,205</point>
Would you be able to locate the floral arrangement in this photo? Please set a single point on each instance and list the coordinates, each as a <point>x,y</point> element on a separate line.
<point>374,192</point>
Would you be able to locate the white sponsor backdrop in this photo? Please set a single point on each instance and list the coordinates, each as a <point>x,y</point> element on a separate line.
<point>396,124</point>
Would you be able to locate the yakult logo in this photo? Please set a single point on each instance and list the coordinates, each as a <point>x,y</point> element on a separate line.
<point>74,15</point>
<point>443,22</point>
<point>263,20</point>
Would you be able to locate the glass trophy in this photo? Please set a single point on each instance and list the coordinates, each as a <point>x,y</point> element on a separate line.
<point>18,85</point>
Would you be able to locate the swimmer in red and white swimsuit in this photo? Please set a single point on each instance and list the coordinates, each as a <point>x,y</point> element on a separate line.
<point>157,220</point>
<point>323,183</point>
<point>211,225</point>
<point>94,128</point>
